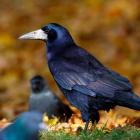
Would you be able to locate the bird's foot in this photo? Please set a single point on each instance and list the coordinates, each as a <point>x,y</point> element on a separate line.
<point>86,125</point>
<point>94,126</point>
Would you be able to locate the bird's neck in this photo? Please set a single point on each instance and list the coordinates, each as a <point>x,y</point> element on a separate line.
<point>56,51</point>
<point>40,91</point>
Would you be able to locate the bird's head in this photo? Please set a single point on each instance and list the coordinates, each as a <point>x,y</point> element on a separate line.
<point>38,84</point>
<point>53,34</point>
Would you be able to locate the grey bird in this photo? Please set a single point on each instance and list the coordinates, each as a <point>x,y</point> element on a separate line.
<point>85,81</point>
<point>43,100</point>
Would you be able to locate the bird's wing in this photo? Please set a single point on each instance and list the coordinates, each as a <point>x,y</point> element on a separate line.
<point>74,81</point>
<point>112,74</point>
<point>88,76</point>
<point>120,78</point>
<point>99,86</point>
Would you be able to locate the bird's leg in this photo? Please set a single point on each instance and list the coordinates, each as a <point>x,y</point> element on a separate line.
<point>93,125</point>
<point>86,118</point>
<point>95,117</point>
<point>86,125</point>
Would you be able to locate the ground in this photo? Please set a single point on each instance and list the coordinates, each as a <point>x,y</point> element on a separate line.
<point>120,133</point>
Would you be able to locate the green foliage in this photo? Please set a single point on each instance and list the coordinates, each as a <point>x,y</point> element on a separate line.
<point>120,133</point>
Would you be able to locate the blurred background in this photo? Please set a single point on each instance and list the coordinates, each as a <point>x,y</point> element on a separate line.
<point>108,29</point>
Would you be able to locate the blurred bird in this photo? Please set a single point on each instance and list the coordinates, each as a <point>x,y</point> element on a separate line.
<point>25,127</point>
<point>86,83</point>
<point>43,100</point>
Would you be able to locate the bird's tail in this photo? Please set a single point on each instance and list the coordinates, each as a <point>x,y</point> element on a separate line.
<point>129,100</point>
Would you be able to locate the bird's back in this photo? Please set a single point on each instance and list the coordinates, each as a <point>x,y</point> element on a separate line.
<point>75,70</point>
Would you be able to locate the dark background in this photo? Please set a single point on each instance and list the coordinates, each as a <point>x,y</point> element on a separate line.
<point>108,29</point>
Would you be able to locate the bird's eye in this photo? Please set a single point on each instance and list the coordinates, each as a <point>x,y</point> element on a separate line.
<point>46,29</point>
<point>52,34</point>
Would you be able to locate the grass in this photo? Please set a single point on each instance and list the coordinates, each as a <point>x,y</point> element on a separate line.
<point>120,133</point>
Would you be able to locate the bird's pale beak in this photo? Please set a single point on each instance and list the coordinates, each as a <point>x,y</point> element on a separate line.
<point>35,35</point>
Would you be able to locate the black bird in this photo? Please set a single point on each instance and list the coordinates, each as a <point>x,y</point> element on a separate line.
<point>86,82</point>
<point>25,127</point>
<point>43,100</point>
